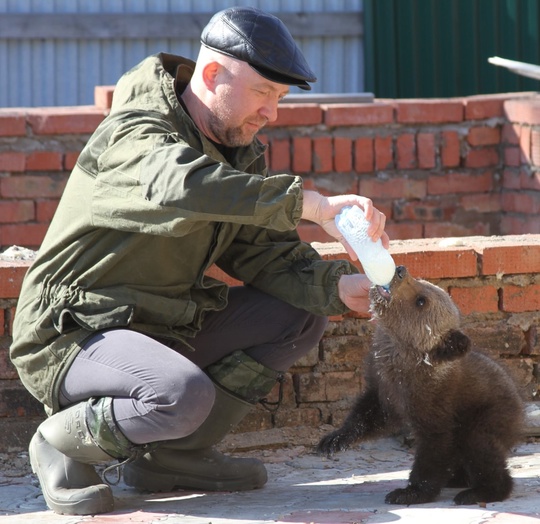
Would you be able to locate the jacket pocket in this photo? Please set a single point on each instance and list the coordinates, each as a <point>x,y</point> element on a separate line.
<point>105,318</point>
<point>59,321</point>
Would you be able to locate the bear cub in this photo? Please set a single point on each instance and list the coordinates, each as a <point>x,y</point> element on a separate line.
<point>463,409</point>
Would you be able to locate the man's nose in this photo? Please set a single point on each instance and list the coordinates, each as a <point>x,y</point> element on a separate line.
<point>269,111</point>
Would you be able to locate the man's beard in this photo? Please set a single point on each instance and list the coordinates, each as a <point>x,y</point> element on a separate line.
<point>229,136</point>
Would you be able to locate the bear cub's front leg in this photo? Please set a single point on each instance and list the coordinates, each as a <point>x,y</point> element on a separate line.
<point>366,419</point>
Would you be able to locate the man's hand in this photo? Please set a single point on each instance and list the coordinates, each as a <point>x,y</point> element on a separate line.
<point>353,291</point>
<point>322,210</point>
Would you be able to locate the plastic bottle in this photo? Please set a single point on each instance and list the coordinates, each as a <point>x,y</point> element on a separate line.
<point>378,264</point>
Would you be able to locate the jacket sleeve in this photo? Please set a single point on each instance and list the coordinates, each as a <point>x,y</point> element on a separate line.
<point>281,265</point>
<point>149,179</point>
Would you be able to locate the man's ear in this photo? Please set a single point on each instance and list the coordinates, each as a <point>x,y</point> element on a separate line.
<point>210,73</point>
<point>453,346</point>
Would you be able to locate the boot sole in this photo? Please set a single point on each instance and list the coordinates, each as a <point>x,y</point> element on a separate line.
<point>145,480</point>
<point>98,498</point>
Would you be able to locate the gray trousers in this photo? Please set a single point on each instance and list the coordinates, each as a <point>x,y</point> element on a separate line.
<point>161,392</point>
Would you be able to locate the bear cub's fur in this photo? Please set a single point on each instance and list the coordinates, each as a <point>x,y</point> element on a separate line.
<point>463,409</point>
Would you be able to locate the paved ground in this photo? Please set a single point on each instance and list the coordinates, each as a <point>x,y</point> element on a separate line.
<point>302,488</point>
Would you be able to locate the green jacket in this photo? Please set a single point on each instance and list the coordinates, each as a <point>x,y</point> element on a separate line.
<point>149,207</point>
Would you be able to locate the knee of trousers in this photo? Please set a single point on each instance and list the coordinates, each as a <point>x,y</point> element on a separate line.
<point>183,406</point>
<point>316,326</point>
<point>307,334</point>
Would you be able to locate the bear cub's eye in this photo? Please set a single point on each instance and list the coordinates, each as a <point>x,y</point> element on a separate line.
<point>420,301</point>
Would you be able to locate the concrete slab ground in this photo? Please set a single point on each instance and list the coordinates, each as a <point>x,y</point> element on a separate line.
<point>302,488</point>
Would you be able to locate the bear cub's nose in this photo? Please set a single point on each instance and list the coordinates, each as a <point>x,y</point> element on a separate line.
<point>401,271</point>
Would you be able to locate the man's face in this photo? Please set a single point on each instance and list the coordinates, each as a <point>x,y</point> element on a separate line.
<point>244,102</point>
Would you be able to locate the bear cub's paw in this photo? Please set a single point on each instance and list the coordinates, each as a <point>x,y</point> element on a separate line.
<point>334,442</point>
<point>409,495</point>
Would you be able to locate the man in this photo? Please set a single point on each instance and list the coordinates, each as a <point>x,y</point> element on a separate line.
<point>135,353</point>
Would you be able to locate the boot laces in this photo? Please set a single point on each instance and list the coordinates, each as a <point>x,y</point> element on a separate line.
<point>136,452</point>
<point>272,407</point>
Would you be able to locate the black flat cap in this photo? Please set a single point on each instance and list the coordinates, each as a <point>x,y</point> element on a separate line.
<point>261,40</point>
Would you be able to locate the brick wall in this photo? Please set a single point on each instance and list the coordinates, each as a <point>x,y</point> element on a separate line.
<point>494,281</point>
<point>464,168</point>
<point>437,168</point>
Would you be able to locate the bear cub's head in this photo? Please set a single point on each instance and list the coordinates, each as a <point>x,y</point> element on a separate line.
<point>420,315</point>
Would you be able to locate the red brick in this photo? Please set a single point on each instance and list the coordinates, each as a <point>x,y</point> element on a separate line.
<point>45,210</point>
<point>11,277</point>
<point>511,134</point>
<point>44,161</point>
<point>526,111</point>
<point>32,187</point>
<point>310,232</point>
<point>311,387</point>
<point>364,155</point>
<point>348,351</point>
<point>482,107</point>
<point>103,96</point>
<point>525,145</point>
<point>70,159</point>
<point>496,336</point>
<point>298,115</point>
<point>450,149</point>
<point>29,235</point>
<point>302,154</point>
<point>484,136</point>
<point>535,147</point>
<point>521,202</point>
<point>295,417</point>
<point>485,157</point>
<point>517,299</point>
<point>384,157</point>
<point>342,154</point>
<point>218,274</point>
<point>460,183</point>
<point>338,382</point>
<point>483,203</point>
<point>322,154</point>
<point>453,229</point>
<point>483,299</point>
<point>509,256</point>
<point>16,211</point>
<point>10,313</point>
<point>280,155</point>
<point>426,150</point>
<point>511,179</point>
<point>12,123</point>
<point>512,156</point>
<point>336,115</point>
<point>404,231</point>
<point>392,188</point>
<point>421,210</point>
<point>405,151</point>
<point>434,261</point>
<point>530,180</point>
<point>65,120</point>
<point>12,161</point>
<point>430,111</point>
<point>519,225</point>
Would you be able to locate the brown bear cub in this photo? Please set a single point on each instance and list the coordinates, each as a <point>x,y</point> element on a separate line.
<point>463,409</point>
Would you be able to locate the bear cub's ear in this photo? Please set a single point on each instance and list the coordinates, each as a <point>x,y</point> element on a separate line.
<point>453,346</point>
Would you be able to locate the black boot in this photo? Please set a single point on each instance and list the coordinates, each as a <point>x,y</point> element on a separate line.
<point>191,462</point>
